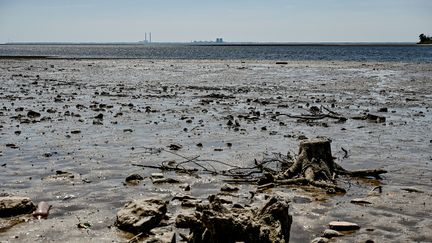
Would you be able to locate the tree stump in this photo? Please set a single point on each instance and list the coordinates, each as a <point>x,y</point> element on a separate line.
<point>315,166</point>
<point>315,161</point>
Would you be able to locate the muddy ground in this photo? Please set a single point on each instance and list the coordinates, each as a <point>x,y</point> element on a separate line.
<point>148,105</point>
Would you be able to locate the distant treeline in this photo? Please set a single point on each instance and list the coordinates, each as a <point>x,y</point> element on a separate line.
<point>425,39</point>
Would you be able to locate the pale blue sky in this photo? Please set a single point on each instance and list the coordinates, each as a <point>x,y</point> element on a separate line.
<point>234,20</point>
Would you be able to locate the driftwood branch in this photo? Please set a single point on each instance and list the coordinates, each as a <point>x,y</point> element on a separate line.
<point>314,166</point>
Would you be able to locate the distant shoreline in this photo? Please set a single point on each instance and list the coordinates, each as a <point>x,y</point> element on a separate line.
<point>221,44</point>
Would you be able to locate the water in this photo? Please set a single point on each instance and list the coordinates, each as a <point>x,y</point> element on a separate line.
<point>398,53</point>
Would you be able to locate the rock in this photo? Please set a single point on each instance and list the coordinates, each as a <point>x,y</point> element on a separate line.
<point>42,210</point>
<point>134,179</point>
<point>383,109</point>
<point>411,189</point>
<point>301,200</point>
<point>33,114</point>
<point>15,205</point>
<point>165,180</point>
<point>302,137</point>
<point>141,215</point>
<point>343,225</point>
<point>85,225</point>
<point>190,203</point>
<point>320,240</point>
<point>60,175</point>
<point>375,118</point>
<point>328,233</point>
<point>99,116</point>
<point>12,145</point>
<point>175,146</point>
<point>157,175</point>
<point>216,223</point>
<point>187,222</point>
<point>97,122</point>
<point>360,201</point>
<point>161,235</point>
<point>229,188</point>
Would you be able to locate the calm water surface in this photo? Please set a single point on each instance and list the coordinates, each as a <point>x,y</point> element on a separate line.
<point>399,53</point>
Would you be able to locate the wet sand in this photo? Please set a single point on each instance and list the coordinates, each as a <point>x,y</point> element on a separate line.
<point>148,105</point>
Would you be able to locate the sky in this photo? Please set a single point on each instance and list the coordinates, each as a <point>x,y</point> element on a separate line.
<point>233,20</point>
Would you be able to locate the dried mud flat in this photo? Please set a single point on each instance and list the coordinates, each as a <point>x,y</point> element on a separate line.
<point>72,130</point>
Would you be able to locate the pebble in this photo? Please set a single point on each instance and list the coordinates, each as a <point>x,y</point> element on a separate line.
<point>329,233</point>
<point>360,201</point>
<point>157,175</point>
<point>229,188</point>
<point>343,225</point>
<point>320,240</point>
<point>42,210</point>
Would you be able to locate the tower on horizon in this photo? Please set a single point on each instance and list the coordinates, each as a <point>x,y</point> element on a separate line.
<point>149,40</point>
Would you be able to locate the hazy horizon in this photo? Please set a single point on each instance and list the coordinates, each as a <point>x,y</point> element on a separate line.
<point>292,21</point>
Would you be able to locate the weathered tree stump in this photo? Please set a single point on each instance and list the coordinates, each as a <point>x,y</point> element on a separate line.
<point>315,161</point>
<point>315,166</point>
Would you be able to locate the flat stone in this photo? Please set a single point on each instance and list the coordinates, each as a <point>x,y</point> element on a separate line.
<point>60,175</point>
<point>362,201</point>
<point>229,188</point>
<point>15,205</point>
<point>411,189</point>
<point>141,215</point>
<point>165,180</point>
<point>157,175</point>
<point>329,233</point>
<point>320,240</point>
<point>343,225</point>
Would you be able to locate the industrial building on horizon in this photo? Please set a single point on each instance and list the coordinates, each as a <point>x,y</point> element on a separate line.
<point>218,41</point>
<point>149,40</point>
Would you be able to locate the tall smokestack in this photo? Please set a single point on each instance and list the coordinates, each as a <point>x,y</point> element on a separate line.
<point>150,37</point>
<point>145,38</point>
